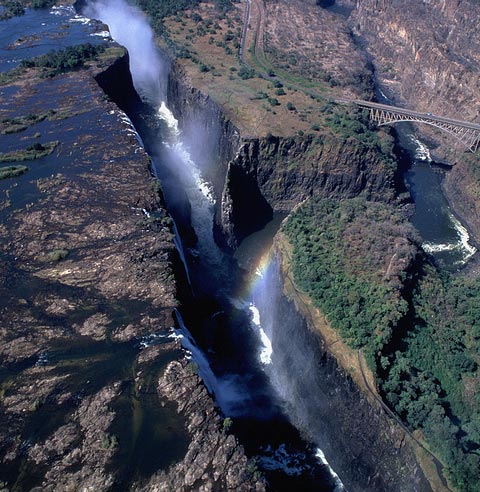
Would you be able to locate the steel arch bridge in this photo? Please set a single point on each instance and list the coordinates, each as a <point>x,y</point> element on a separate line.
<point>465,132</point>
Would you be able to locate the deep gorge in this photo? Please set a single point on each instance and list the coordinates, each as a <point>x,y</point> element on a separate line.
<point>307,306</point>
<point>248,166</point>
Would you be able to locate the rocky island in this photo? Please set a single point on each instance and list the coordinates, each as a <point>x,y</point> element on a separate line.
<point>342,356</point>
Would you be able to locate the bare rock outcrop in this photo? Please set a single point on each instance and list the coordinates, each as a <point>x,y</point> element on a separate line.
<point>214,460</point>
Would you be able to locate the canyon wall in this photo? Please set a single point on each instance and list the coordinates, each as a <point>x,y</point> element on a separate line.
<point>368,449</point>
<point>254,177</point>
<point>284,171</point>
<point>427,53</point>
<point>427,56</point>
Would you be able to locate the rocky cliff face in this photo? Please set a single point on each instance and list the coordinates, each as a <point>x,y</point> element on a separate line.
<point>364,445</point>
<point>254,177</point>
<point>426,52</point>
<point>426,56</point>
<point>87,271</point>
<point>257,176</point>
<point>204,127</point>
<point>214,460</point>
<point>275,174</point>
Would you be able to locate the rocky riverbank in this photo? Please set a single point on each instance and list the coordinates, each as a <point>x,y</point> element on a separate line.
<point>88,269</point>
<point>214,461</point>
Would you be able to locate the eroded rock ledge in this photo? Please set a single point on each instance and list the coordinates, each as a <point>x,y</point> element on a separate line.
<point>256,176</point>
<point>214,460</point>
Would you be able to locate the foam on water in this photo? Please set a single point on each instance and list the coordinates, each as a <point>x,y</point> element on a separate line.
<point>292,464</point>
<point>166,115</point>
<point>462,245</point>
<point>464,238</point>
<point>339,487</point>
<point>102,34</point>
<point>422,152</point>
<point>229,391</point>
<point>266,349</point>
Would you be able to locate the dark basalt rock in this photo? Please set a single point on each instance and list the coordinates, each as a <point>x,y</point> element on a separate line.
<point>214,460</point>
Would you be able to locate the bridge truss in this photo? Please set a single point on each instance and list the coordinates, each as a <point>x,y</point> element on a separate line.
<point>469,137</point>
<point>465,132</point>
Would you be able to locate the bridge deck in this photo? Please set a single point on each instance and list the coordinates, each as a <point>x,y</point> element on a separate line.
<point>414,114</point>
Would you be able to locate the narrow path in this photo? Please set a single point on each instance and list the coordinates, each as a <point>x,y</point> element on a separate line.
<point>260,30</point>
<point>241,51</point>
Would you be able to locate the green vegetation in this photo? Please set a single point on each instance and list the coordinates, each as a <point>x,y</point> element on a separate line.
<point>57,62</point>
<point>338,247</point>
<point>192,368</point>
<point>12,171</point>
<point>227,424</point>
<point>21,123</point>
<point>157,11</point>
<point>109,441</point>
<point>431,378</point>
<point>34,151</point>
<point>17,7</point>
<point>58,254</point>
<point>246,73</point>
<point>42,4</point>
<point>353,122</point>
<point>12,9</point>
<point>11,75</point>
<point>14,129</point>
<point>419,331</point>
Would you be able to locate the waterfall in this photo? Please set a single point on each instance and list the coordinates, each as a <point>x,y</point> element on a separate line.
<point>292,360</point>
<point>237,378</point>
<point>177,240</point>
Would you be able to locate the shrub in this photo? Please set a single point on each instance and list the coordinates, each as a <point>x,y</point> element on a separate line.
<point>12,171</point>
<point>42,4</point>
<point>12,8</point>
<point>56,62</point>
<point>58,254</point>
<point>192,368</point>
<point>246,73</point>
<point>109,441</point>
<point>227,424</point>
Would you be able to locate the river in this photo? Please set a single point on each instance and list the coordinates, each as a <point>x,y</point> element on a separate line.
<point>254,352</point>
<point>443,235</point>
